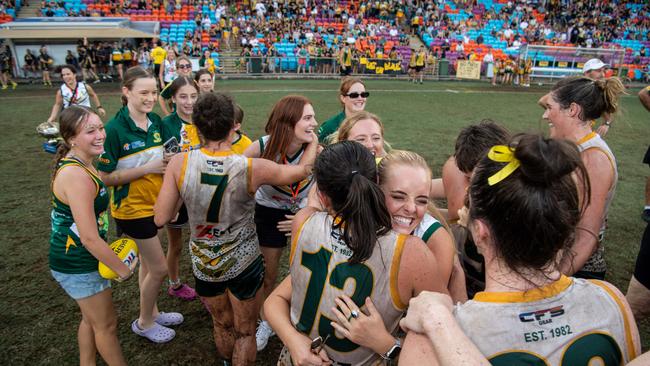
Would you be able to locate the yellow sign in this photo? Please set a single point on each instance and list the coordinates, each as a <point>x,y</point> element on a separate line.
<point>468,70</point>
<point>543,63</point>
<point>562,64</point>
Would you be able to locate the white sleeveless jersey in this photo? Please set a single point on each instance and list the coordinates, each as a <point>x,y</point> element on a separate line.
<point>215,189</point>
<point>292,197</point>
<point>320,272</point>
<point>567,323</point>
<point>596,262</point>
<point>80,97</point>
<point>427,227</point>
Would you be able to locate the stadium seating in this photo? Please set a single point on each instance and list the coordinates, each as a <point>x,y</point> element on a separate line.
<point>499,47</point>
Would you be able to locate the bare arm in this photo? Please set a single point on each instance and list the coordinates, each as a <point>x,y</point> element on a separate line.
<point>95,98</point>
<point>163,106</point>
<point>167,203</point>
<point>437,189</point>
<point>268,172</point>
<point>253,150</point>
<point>276,308</point>
<point>161,73</point>
<point>455,186</point>
<point>644,97</point>
<point>74,186</point>
<point>418,270</point>
<point>434,337</point>
<point>442,247</point>
<point>56,108</point>
<point>601,178</point>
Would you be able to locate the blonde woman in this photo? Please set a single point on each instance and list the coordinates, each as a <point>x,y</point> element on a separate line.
<point>364,128</point>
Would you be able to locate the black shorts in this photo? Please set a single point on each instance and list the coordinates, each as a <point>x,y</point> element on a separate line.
<point>181,220</point>
<point>243,287</point>
<point>143,228</point>
<point>590,275</point>
<point>419,68</point>
<point>266,222</point>
<point>156,70</point>
<point>646,158</point>
<point>642,268</point>
<point>115,62</point>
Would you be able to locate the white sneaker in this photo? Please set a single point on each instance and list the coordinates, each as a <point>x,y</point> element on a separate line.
<point>262,335</point>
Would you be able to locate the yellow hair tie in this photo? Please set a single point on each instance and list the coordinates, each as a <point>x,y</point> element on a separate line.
<point>502,154</point>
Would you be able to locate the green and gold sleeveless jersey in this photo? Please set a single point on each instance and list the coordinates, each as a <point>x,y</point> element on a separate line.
<point>67,253</point>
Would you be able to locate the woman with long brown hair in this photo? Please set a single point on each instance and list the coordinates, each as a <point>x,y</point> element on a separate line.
<point>289,129</point>
<point>78,240</point>
<point>132,164</point>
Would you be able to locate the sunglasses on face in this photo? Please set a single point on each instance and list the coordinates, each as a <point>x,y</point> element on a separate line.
<point>184,66</point>
<point>356,95</point>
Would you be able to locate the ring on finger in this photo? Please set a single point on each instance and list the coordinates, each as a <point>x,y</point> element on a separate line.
<point>353,314</point>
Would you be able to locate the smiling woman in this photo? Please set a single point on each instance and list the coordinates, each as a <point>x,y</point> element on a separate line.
<point>364,128</point>
<point>290,128</point>
<point>132,164</point>
<point>73,92</point>
<point>353,96</point>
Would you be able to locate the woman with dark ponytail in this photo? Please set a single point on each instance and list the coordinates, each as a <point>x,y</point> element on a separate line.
<point>570,109</point>
<point>526,200</point>
<point>348,255</point>
<point>78,239</point>
<point>132,164</point>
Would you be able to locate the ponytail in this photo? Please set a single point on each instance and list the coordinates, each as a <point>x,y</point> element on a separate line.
<point>358,214</point>
<point>346,173</point>
<point>612,88</point>
<point>595,97</point>
<point>62,150</point>
<point>533,209</point>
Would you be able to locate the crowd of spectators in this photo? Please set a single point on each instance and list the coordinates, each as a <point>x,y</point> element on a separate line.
<point>313,33</point>
<point>588,24</point>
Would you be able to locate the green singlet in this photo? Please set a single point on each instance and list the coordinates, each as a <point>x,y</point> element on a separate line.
<point>67,253</point>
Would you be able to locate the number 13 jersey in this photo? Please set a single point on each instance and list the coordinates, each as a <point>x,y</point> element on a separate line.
<point>215,187</point>
<point>570,322</point>
<point>320,272</point>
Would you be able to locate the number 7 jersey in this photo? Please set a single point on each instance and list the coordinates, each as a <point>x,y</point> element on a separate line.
<point>215,187</point>
<point>570,322</point>
<point>320,272</point>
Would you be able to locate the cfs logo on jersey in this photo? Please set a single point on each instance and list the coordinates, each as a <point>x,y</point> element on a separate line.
<point>156,137</point>
<point>215,166</point>
<point>542,316</point>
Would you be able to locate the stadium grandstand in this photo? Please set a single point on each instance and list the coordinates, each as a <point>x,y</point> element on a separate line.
<point>271,36</point>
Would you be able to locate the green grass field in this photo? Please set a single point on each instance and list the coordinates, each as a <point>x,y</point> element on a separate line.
<point>39,321</point>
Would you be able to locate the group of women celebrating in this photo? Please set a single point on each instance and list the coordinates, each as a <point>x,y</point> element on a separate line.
<point>367,245</point>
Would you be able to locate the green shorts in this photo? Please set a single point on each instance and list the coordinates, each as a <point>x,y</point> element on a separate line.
<point>243,287</point>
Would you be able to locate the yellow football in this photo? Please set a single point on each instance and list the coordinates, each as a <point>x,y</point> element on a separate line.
<point>126,250</point>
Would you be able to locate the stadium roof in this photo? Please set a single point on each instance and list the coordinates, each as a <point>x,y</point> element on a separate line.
<point>72,28</point>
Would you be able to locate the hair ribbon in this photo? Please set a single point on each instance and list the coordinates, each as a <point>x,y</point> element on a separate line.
<point>502,154</point>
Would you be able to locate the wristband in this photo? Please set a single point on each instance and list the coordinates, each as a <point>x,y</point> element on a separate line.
<point>99,106</point>
<point>608,123</point>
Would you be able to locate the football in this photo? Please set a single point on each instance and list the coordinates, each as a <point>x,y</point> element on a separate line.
<point>126,250</point>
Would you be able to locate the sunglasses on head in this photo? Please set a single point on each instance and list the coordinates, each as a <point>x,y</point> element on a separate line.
<point>184,66</point>
<point>356,95</point>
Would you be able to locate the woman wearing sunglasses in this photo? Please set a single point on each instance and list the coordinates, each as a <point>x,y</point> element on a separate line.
<point>353,96</point>
<point>183,67</point>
